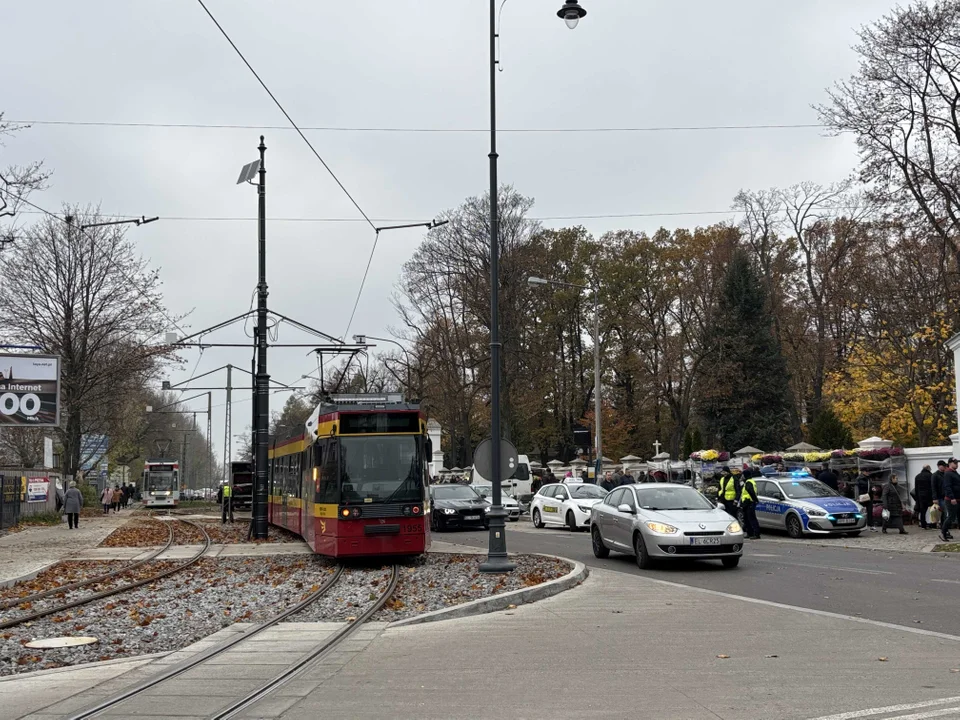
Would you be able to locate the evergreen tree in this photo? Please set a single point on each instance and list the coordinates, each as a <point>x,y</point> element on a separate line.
<point>829,432</point>
<point>745,398</point>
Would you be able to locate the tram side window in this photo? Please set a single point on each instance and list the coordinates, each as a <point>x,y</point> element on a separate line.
<point>295,474</point>
<point>328,492</point>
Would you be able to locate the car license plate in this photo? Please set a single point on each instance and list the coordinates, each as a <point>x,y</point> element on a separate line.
<point>845,521</point>
<point>471,517</point>
<point>705,541</point>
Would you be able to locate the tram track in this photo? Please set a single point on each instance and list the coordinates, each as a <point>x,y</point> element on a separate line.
<point>38,614</point>
<point>13,602</point>
<point>290,672</point>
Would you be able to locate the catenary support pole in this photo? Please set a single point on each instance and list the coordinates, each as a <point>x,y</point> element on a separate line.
<point>496,561</point>
<point>262,377</point>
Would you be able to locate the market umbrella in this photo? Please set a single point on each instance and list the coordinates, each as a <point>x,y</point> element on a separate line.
<point>750,450</point>
<point>802,447</point>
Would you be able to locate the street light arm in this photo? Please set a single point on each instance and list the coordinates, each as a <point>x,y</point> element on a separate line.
<point>546,281</point>
<point>429,225</point>
<point>142,220</point>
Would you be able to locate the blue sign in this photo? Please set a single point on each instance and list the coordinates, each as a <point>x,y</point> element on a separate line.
<point>92,449</point>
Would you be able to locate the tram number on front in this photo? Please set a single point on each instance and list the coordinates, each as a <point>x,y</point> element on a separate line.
<point>414,527</point>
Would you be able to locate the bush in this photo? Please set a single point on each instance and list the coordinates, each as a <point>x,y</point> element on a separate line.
<point>90,496</point>
<point>45,518</point>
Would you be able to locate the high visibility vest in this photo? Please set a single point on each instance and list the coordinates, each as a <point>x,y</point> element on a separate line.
<point>728,488</point>
<point>226,491</point>
<point>744,495</point>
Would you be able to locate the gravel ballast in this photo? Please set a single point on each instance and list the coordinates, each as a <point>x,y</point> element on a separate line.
<point>179,610</point>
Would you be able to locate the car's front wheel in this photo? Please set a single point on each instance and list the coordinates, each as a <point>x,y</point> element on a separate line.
<point>572,521</point>
<point>730,562</point>
<point>640,550</point>
<point>599,549</point>
<point>537,520</point>
<point>794,527</point>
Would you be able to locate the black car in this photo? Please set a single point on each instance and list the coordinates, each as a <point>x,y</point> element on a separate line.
<point>457,506</point>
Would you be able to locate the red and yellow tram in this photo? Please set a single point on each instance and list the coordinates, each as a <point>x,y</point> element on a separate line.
<point>355,483</point>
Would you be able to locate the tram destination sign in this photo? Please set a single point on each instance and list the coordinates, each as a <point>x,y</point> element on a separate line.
<point>29,390</point>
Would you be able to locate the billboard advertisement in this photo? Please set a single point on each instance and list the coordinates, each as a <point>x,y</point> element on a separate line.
<point>38,489</point>
<point>29,390</point>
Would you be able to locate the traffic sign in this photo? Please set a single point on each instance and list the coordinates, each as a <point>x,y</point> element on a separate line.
<point>483,462</point>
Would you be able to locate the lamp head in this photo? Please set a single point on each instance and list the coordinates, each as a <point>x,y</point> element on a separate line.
<point>537,281</point>
<point>571,12</point>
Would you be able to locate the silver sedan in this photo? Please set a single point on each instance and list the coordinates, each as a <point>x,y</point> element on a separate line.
<point>662,520</point>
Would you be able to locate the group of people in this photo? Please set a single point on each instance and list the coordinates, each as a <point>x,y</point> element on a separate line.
<point>116,497</point>
<point>940,489</point>
<point>738,492</point>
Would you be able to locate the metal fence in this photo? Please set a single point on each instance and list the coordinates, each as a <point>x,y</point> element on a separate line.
<point>9,501</point>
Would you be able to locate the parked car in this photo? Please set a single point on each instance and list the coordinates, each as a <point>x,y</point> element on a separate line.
<point>509,503</point>
<point>565,504</point>
<point>457,506</point>
<point>664,520</point>
<point>800,504</point>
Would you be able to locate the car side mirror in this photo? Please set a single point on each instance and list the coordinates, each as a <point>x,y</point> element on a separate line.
<point>778,496</point>
<point>624,508</point>
<point>483,495</point>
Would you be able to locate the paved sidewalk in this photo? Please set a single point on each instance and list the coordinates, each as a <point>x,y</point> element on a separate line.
<point>618,646</point>
<point>29,551</point>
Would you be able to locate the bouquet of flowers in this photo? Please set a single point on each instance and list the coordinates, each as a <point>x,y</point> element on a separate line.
<point>771,459</point>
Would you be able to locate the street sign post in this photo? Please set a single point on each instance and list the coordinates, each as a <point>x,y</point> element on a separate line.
<point>483,462</point>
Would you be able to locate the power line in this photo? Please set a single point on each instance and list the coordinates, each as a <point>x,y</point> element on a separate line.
<point>286,114</point>
<point>438,130</point>
<point>106,255</point>
<point>602,216</point>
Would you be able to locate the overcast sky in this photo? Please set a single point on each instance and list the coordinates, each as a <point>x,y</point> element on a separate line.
<point>420,64</point>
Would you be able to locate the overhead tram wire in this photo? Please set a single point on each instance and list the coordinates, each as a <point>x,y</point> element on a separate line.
<point>114,263</point>
<point>438,130</point>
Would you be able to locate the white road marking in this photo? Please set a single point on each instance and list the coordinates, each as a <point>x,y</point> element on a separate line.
<point>764,555</point>
<point>855,714</point>
<point>828,567</point>
<point>952,582</point>
<point>808,611</point>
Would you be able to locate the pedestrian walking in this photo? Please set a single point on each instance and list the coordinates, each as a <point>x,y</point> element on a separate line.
<point>117,496</point>
<point>628,479</point>
<point>607,482</point>
<point>893,506</point>
<point>923,494</point>
<point>936,489</point>
<point>951,491</point>
<point>106,499</point>
<point>537,483</point>
<point>865,496</point>
<point>618,478</point>
<point>829,478</point>
<point>72,502</point>
<point>584,476</point>
<point>748,502</point>
<point>226,507</point>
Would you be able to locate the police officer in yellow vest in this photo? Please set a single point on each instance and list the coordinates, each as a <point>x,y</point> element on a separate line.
<point>748,502</point>
<point>226,503</point>
<point>728,492</point>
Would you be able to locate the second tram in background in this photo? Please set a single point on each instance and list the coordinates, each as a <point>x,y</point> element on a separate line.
<point>355,483</point>
<point>161,483</point>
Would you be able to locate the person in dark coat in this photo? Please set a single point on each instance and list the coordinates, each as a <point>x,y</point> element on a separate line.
<point>892,503</point>
<point>608,483</point>
<point>863,488</point>
<point>951,491</point>
<point>936,489</point>
<point>72,502</point>
<point>923,491</point>
<point>829,478</point>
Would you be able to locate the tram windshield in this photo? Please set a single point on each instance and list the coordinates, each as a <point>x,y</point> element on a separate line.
<point>159,481</point>
<point>381,468</point>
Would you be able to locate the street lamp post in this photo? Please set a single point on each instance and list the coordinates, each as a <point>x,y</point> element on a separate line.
<point>598,468</point>
<point>497,561</point>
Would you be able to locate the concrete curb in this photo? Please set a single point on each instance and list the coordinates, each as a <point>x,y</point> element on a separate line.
<point>10,582</point>
<point>927,549</point>
<point>496,603</point>
<point>86,666</point>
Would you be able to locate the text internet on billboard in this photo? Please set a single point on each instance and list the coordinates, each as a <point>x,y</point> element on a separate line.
<point>29,390</point>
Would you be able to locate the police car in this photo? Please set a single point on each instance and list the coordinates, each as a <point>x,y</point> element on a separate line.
<point>801,505</point>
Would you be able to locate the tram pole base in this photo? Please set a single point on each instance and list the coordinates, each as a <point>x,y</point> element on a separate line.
<point>497,560</point>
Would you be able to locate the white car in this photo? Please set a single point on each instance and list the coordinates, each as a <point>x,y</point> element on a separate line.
<point>565,504</point>
<point>509,503</point>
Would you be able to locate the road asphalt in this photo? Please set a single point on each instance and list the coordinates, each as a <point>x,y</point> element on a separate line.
<point>918,590</point>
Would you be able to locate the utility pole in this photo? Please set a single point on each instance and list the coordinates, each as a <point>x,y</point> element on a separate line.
<point>262,377</point>
<point>209,439</point>
<point>227,423</point>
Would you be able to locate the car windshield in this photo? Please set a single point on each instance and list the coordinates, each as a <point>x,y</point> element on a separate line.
<point>380,468</point>
<point>587,492</point>
<point>801,489</point>
<point>672,498</point>
<point>454,492</point>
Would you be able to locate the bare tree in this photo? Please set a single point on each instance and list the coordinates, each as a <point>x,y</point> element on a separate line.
<point>90,298</point>
<point>16,184</point>
<point>903,106</point>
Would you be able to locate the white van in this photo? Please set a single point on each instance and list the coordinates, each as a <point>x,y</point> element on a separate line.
<point>517,485</point>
